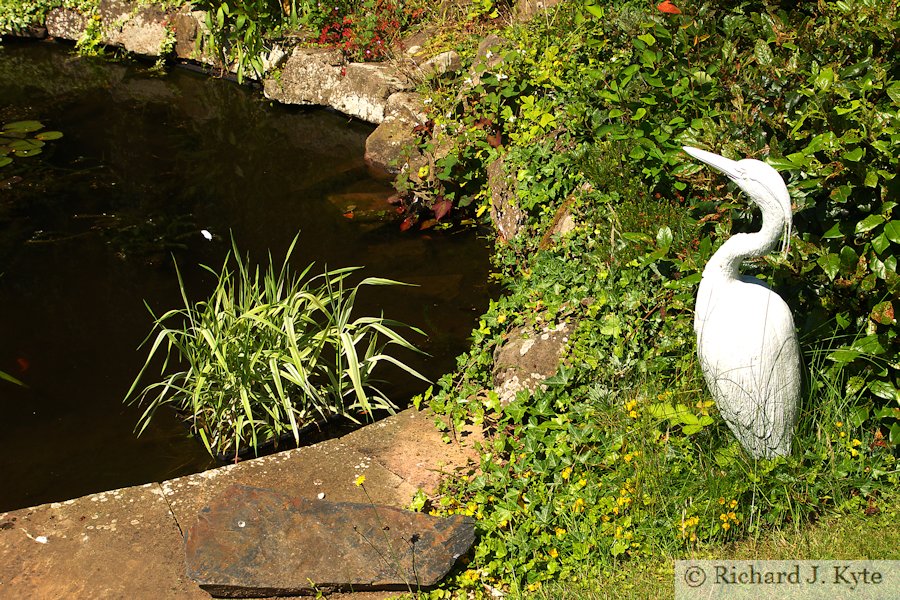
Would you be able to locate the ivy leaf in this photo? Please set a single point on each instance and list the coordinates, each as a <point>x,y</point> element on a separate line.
<point>869,223</point>
<point>885,390</point>
<point>892,231</point>
<point>831,264</point>
<point>854,155</point>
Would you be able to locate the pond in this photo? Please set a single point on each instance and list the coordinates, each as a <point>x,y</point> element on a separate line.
<point>90,227</point>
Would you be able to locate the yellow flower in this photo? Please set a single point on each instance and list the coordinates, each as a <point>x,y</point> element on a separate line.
<point>423,171</point>
<point>843,434</point>
<point>726,526</point>
<point>581,483</point>
<point>360,480</point>
<point>854,452</point>
<point>721,500</point>
<point>839,424</point>
<point>560,532</point>
<point>732,516</point>
<point>553,552</point>
<point>566,472</point>
<point>733,504</point>
<point>501,318</point>
<point>633,414</point>
<point>628,457</point>
<point>534,586</point>
<point>723,516</point>
<point>856,442</point>
<point>579,505</point>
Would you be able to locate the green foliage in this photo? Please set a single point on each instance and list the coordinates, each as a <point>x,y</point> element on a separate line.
<point>237,30</point>
<point>623,455</point>
<point>268,354</point>
<point>21,139</point>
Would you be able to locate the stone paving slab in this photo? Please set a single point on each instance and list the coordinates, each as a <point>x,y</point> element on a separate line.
<point>128,543</point>
<point>398,456</point>
<point>252,542</point>
<point>118,544</point>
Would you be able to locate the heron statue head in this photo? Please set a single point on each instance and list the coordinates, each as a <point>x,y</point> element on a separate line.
<point>759,181</point>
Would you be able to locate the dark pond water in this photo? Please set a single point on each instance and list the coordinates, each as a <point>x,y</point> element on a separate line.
<point>89,227</point>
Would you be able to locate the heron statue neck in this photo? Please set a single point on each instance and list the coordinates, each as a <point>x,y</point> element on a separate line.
<point>727,260</point>
<point>776,227</point>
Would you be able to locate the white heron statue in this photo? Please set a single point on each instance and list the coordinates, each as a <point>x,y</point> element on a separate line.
<point>746,339</point>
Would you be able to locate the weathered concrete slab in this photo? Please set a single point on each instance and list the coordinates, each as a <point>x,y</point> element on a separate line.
<point>253,542</point>
<point>119,544</point>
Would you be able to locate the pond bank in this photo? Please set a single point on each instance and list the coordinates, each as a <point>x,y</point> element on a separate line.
<point>128,542</point>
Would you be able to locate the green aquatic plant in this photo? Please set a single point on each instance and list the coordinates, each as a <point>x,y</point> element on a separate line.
<point>21,139</point>
<point>267,354</point>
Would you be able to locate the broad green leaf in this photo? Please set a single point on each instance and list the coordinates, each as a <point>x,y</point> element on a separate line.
<point>824,78</point>
<point>884,389</point>
<point>869,223</point>
<point>871,178</point>
<point>596,11</point>
<point>831,264</point>
<point>854,155</point>
<point>49,135</point>
<point>664,237</point>
<point>647,39</point>
<point>892,231</point>
<point>23,126</point>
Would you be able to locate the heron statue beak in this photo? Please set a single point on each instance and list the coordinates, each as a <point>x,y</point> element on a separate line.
<point>725,165</point>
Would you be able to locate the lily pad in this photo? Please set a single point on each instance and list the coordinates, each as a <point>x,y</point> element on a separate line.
<point>24,153</point>
<point>23,126</point>
<point>49,135</point>
<point>5,160</point>
<point>20,145</point>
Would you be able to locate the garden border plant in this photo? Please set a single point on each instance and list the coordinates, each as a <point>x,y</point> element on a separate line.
<point>623,456</point>
<point>267,354</point>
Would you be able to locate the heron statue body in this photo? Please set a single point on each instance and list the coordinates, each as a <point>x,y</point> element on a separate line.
<point>746,339</point>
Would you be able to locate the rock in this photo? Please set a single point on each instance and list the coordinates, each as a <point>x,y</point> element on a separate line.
<point>318,76</point>
<point>526,9</point>
<point>508,218</point>
<point>119,544</point>
<point>388,146</point>
<point>393,143</point>
<point>488,54</point>
<point>445,62</point>
<point>65,23</point>
<point>256,542</point>
<point>309,76</point>
<point>137,28</point>
<point>364,90</point>
<point>527,358</point>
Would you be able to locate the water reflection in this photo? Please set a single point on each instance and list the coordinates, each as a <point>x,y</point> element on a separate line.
<point>88,234</point>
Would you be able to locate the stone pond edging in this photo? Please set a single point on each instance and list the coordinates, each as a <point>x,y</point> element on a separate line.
<point>380,93</point>
<point>128,543</point>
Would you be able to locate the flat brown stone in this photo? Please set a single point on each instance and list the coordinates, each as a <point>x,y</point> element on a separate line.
<point>118,544</point>
<point>253,542</point>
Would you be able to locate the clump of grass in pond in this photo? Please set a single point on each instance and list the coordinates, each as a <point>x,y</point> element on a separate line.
<point>267,354</point>
<point>21,139</point>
